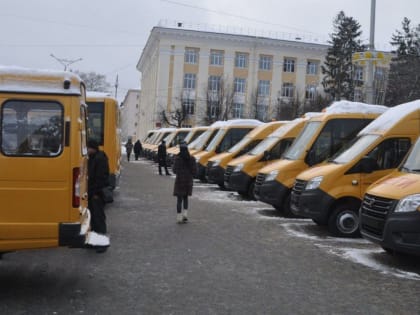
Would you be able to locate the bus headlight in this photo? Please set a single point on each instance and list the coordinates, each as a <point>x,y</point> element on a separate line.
<point>314,183</point>
<point>408,204</point>
<point>272,175</point>
<point>238,167</point>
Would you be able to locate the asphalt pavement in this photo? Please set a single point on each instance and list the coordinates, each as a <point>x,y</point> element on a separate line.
<point>233,257</point>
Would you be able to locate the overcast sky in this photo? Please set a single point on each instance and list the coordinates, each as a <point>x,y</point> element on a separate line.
<point>109,35</point>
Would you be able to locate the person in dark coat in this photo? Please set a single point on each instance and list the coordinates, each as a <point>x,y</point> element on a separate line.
<point>185,169</point>
<point>162,158</point>
<point>128,149</point>
<point>137,149</point>
<point>98,176</point>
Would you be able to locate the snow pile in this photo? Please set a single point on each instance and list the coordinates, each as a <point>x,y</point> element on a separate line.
<point>391,117</point>
<point>347,107</point>
<point>18,79</point>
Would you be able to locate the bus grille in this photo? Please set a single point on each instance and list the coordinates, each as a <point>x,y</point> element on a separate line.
<point>229,170</point>
<point>374,211</point>
<point>299,186</point>
<point>260,179</point>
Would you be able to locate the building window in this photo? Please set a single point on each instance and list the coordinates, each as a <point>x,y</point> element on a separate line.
<point>239,85</point>
<point>216,57</point>
<point>188,106</point>
<point>263,88</point>
<point>241,60</point>
<point>312,68</point>
<point>287,90</point>
<point>289,65</point>
<point>237,110</point>
<point>358,75</point>
<point>310,92</point>
<point>214,83</point>
<point>191,55</point>
<point>214,109</point>
<point>262,111</point>
<point>189,81</point>
<point>358,95</point>
<point>265,62</point>
<point>380,73</point>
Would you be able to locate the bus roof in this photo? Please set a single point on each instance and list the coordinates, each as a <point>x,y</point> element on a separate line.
<point>39,81</point>
<point>347,107</point>
<point>98,95</point>
<point>391,117</point>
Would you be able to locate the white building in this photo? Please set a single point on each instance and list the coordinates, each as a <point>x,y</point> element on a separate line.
<point>130,115</point>
<point>182,68</point>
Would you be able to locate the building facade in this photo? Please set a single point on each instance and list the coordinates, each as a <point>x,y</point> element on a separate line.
<point>209,76</point>
<point>131,115</point>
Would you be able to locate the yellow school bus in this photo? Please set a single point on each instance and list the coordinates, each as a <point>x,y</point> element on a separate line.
<point>43,158</point>
<point>241,172</point>
<point>216,165</point>
<point>320,139</point>
<point>331,194</point>
<point>104,127</point>
<point>390,211</point>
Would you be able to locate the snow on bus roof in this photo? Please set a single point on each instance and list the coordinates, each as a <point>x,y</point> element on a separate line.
<point>25,80</point>
<point>237,122</point>
<point>347,107</point>
<point>96,94</point>
<point>391,117</point>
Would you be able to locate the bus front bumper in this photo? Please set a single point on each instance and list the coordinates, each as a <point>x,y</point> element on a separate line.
<point>215,175</point>
<point>313,204</point>
<point>271,192</point>
<point>400,232</point>
<point>239,181</point>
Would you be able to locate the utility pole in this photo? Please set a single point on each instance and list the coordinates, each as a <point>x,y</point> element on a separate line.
<point>65,62</point>
<point>116,87</point>
<point>369,70</point>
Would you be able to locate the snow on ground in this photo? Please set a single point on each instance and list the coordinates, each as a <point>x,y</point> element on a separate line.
<point>357,250</point>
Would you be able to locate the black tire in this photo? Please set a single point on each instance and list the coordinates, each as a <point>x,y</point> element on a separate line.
<point>344,221</point>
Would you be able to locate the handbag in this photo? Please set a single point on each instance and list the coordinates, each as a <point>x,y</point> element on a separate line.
<point>107,195</point>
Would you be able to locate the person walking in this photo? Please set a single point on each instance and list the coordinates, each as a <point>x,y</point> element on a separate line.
<point>185,169</point>
<point>98,175</point>
<point>128,149</point>
<point>162,158</point>
<point>137,149</point>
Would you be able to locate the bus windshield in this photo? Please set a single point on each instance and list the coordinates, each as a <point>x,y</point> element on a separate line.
<point>96,121</point>
<point>412,163</point>
<point>264,146</point>
<point>354,149</point>
<point>213,144</point>
<point>299,145</point>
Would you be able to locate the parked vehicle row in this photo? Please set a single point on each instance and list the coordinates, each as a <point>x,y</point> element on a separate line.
<point>340,167</point>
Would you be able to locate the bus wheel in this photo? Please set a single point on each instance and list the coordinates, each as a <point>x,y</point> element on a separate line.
<point>344,221</point>
<point>251,190</point>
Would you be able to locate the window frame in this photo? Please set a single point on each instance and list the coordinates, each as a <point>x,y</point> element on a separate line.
<point>190,81</point>
<point>289,65</point>
<point>216,57</point>
<point>241,60</point>
<point>191,56</point>
<point>265,63</point>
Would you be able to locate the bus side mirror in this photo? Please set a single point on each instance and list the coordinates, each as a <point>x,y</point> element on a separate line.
<point>368,165</point>
<point>266,156</point>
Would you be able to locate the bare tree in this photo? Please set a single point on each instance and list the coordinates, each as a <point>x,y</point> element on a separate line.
<point>181,109</point>
<point>219,99</point>
<point>94,81</point>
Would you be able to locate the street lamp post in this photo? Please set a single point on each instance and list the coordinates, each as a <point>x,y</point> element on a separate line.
<point>369,70</point>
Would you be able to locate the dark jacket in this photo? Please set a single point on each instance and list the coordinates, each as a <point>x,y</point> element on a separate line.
<point>98,173</point>
<point>137,147</point>
<point>162,154</point>
<point>185,169</point>
<point>129,147</point>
